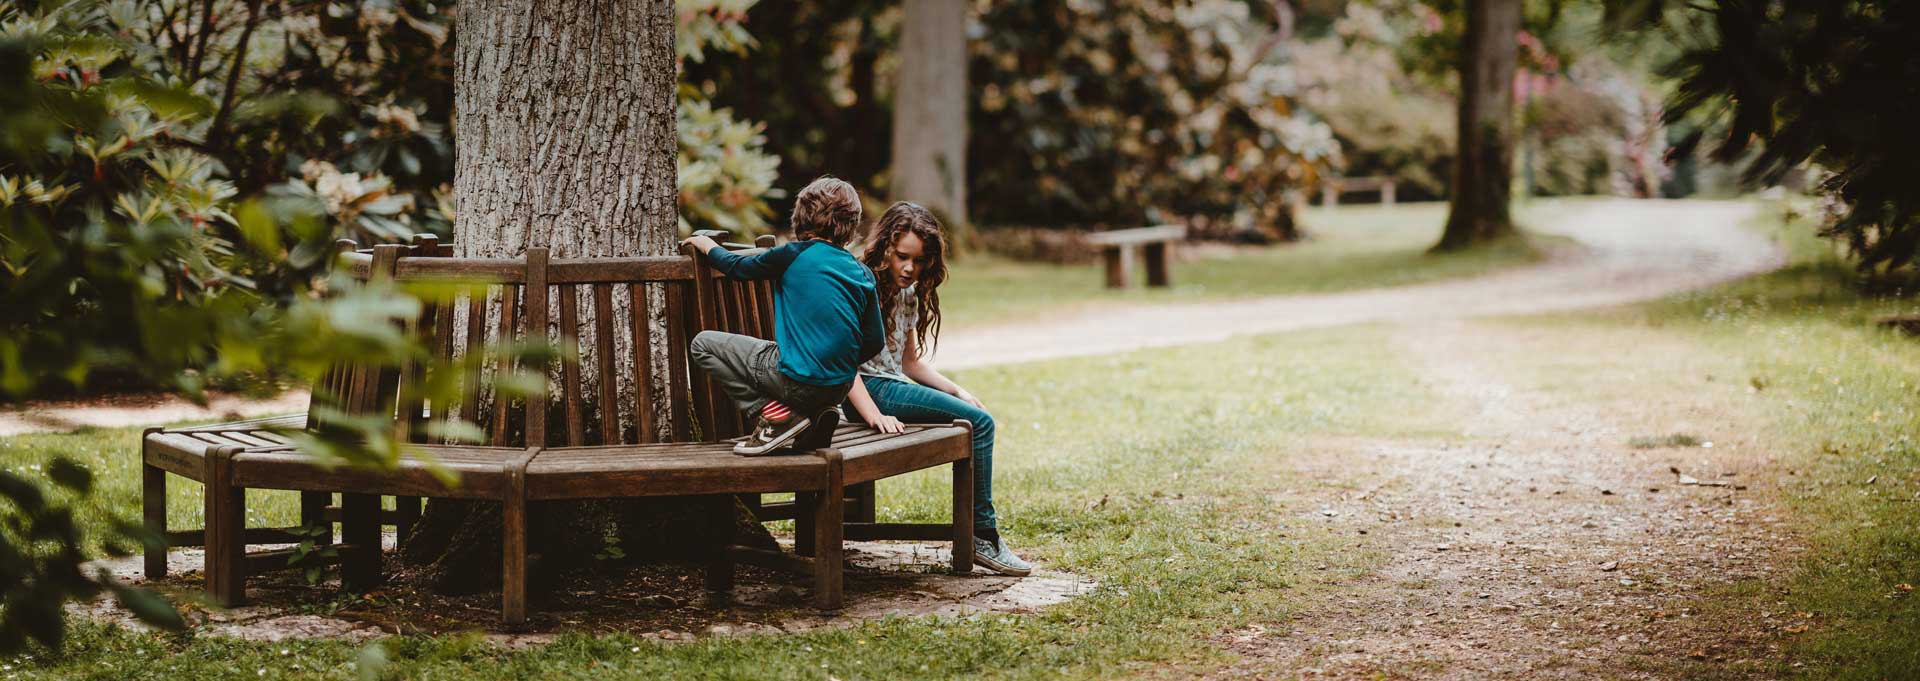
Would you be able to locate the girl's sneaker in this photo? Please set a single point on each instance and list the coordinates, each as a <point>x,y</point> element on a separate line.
<point>819,435</point>
<point>995,556</point>
<point>774,429</point>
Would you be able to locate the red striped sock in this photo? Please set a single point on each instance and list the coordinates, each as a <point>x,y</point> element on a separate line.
<point>775,411</point>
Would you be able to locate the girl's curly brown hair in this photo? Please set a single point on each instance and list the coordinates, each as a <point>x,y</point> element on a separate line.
<point>909,218</point>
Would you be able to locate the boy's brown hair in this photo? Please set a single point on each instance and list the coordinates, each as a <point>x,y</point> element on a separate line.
<point>828,208</point>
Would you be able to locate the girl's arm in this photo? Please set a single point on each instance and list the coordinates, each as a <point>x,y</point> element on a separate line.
<point>924,374</point>
<point>870,412</point>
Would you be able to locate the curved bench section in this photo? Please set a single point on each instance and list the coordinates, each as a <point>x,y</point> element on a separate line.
<point>640,449</point>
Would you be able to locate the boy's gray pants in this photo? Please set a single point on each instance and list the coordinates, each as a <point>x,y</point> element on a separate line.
<point>748,369</point>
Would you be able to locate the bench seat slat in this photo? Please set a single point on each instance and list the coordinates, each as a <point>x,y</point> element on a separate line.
<point>666,470</point>
<point>479,477</point>
<point>904,453</point>
<point>286,421</point>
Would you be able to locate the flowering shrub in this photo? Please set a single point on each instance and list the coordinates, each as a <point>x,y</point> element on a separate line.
<point>1126,113</point>
<point>726,175</point>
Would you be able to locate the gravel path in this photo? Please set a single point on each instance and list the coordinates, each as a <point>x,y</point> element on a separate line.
<point>1541,545</point>
<point>1629,251</point>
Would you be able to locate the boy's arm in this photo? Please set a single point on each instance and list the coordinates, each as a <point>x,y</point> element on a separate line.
<point>873,329</point>
<point>768,264</point>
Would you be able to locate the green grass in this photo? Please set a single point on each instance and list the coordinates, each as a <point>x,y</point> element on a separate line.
<point>1839,398</point>
<point>1349,247</point>
<point>1187,543</point>
<point>1841,393</point>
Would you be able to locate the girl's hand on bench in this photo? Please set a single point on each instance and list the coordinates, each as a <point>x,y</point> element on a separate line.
<point>888,424</point>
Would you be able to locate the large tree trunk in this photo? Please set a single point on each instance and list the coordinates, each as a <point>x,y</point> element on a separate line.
<point>565,139</point>
<point>1483,163</point>
<point>930,112</point>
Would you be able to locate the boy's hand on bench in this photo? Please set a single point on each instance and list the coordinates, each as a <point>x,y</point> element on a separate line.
<point>700,243</point>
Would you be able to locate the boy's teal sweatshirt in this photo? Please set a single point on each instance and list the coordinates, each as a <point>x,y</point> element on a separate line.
<point>826,316</point>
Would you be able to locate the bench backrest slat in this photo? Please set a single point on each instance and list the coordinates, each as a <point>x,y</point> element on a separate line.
<point>679,392</point>
<point>700,315</point>
<point>603,349</point>
<point>536,315</point>
<point>642,364</point>
<point>570,370</point>
<point>503,405</point>
<point>476,329</point>
<point>512,300</point>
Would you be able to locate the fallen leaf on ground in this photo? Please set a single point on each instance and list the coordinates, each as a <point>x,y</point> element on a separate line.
<point>1609,566</point>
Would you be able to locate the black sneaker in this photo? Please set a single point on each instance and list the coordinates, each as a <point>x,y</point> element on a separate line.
<point>770,434</point>
<point>820,434</point>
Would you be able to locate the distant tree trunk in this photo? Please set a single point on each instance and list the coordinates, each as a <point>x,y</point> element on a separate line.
<point>565,139</point>
<point>1483,161</point>
<point>930,112</point>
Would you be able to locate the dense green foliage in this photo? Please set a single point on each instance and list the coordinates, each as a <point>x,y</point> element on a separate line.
<point>1128,113</point>
<point>726,177</point>
<point>1113,113</point>
<point>127,241</point>
<point>1826,82</point>
<point>1589,116</point>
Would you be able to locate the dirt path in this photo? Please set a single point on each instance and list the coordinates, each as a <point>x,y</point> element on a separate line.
<point>1630,251</point>
<point>1544,546</point>
<point>120,411</point>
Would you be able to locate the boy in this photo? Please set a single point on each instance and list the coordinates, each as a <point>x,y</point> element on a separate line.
<point>827,321</point>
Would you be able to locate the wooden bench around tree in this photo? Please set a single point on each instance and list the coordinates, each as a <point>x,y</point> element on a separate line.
<point>1154,245</point>
<point>562,447</point>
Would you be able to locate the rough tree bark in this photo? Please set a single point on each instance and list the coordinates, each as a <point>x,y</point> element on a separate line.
<point>565,139</point>
<point>1483,163</point>
<point>930,112</point>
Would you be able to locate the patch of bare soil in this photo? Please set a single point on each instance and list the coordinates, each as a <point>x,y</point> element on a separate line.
<point>664,602</point>
<point>1544,546</point>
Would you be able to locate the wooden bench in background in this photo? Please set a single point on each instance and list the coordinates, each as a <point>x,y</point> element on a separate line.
<point>1122,247</point>
<point>618,452</point>
<point>1332,188</point>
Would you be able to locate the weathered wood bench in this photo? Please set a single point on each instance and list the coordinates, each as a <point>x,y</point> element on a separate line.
<point>1332,188</point>
<point>630,448</point>
<point>1154,245</point>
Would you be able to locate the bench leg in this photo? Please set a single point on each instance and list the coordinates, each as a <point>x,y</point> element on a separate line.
<point>719,576</point>
<point>313,513</point>
<point>1117,265</point>
<point>360,528</point>
<point>513,557</point>
<point>226,514</point>
<point>407,513</point>
<point>861,507</point>
<point>153,513</point>
<point>829,529</point>
<point>963,516</point>
<point>804,505</point>
<point>1156,256</point>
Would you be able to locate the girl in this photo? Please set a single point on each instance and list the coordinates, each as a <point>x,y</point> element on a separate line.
<point>908,259</point>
